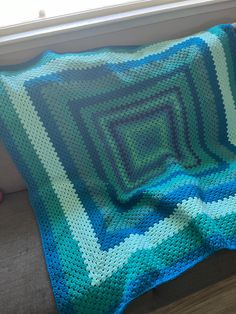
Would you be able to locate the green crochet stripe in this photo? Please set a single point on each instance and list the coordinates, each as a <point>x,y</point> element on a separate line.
<point>129,155</point>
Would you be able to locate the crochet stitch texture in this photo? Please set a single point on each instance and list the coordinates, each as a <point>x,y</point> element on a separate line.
<point>129,155</point>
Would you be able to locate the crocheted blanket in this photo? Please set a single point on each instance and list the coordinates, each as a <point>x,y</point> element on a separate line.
<point>129,155</point>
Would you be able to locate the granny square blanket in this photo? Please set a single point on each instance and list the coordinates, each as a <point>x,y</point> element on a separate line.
<point>129,155</point>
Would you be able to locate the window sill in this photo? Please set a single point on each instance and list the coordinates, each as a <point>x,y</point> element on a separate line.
<point>90,27</point>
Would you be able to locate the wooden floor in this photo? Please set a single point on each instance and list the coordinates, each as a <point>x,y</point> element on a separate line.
<point>219,298</point>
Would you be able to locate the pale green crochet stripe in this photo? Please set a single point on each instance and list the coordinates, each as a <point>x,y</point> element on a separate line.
<point>61,183</point>
<point>221,67</point>
<point>154,236</point>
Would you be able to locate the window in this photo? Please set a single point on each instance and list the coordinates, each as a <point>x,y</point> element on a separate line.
<point>24,11</point>
<point>30,25</point>
<point>25,20</point>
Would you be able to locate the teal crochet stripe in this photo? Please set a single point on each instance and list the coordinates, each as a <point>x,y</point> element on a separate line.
<point>129,155</point>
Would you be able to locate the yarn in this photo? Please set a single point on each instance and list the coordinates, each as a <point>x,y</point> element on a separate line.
<point>129,155</point>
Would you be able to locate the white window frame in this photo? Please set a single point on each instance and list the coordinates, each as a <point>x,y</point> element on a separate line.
<point>107,14</point>
<point>103,21</point>
<point>85,15</point>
